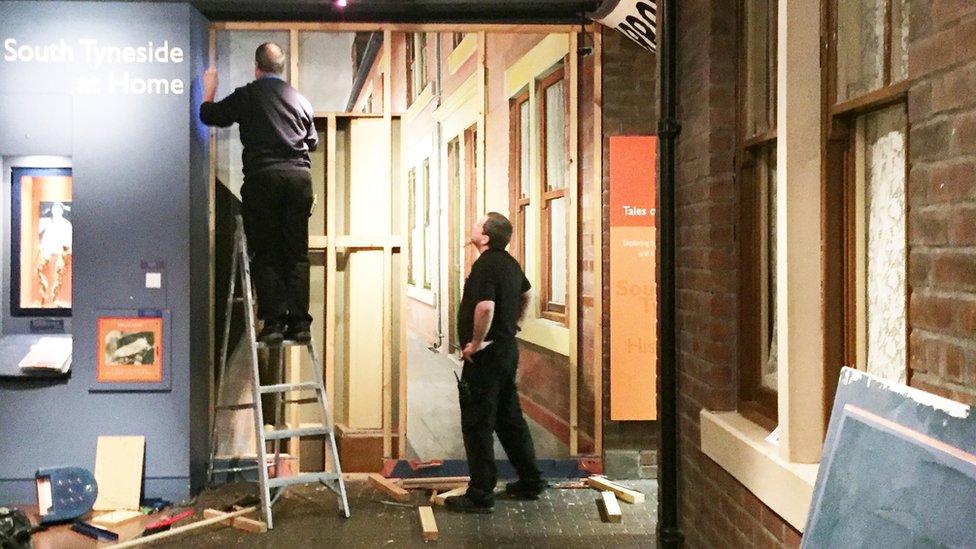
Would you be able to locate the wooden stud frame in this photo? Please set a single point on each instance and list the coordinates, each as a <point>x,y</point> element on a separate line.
<point>332,243</point>
<point>572,243</point>
<point>598,241</point>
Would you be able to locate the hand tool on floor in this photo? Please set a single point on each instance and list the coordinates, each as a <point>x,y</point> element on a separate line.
<point>164,524</point>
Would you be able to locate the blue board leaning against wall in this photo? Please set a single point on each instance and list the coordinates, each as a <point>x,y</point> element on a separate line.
<point>110,87</point>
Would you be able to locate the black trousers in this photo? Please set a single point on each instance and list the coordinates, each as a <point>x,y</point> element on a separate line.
<point>276,208</point>
<point>490,404</point>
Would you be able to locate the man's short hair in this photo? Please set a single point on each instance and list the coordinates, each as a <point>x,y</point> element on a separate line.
<point>270,58</point>
<point>499,230</point>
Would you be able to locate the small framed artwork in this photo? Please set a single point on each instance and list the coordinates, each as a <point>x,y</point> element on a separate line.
<point>41,242</point>
<point>132,351</point>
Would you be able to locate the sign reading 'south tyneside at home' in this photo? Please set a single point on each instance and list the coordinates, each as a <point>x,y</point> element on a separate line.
<point>635,18</point>
<point>633,291</point>
<point>103,68</point>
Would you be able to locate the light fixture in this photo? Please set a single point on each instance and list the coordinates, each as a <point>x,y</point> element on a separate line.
<point>340,3</point>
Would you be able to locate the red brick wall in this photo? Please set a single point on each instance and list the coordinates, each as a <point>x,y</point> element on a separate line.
<point>715,509</point>
<point>942,198</point>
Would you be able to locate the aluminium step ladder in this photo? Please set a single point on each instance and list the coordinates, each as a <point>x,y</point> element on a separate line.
<point>240,266</point>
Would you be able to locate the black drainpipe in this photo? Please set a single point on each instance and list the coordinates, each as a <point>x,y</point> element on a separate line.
<point>365,65</point>
<point>669,533</point>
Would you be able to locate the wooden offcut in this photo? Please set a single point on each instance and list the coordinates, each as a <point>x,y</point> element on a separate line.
<point>427,523</point>
<point>238,522</point>
<point>625,494</point>
<point>608,507</point>
<point>388,486</point>
<point>439,498</point>
<point>118,472</point>
<point>434,482</point>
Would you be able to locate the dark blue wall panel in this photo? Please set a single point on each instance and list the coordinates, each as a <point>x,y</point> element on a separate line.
<point>140,184</point>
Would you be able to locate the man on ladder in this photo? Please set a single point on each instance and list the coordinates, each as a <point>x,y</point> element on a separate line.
<point>277,131</point>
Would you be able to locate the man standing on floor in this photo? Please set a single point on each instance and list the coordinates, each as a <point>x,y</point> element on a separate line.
<point>492,305</point>
<point>277,131</point>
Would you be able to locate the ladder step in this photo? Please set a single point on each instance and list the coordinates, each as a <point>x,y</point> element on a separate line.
<point>300,432</point>
<point>236,469</point>
<point>245,406</point>
<point>285,343</point>
<point>284,387</point>
<point>304,478</point>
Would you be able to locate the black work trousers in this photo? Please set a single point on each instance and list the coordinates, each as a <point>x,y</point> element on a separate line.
<point>490,404</point>
<point>276,207</point>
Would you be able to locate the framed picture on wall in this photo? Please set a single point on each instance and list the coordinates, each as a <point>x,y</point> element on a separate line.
<point>41,241</point>
<point>132,351</point>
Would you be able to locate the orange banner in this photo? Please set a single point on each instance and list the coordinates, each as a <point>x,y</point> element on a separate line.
<point>633,290</point>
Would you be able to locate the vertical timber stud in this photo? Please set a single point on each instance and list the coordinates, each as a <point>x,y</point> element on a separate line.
<point>211,237</point>
<point>669,533</point>
<point>598,241</point>
<point>480,150</point>
<point>293,58</point>
<point>573,241</point>
<point>388,250</point>
<point>331,263</point>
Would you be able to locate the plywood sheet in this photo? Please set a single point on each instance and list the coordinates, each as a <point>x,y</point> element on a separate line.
<point>118,472</point>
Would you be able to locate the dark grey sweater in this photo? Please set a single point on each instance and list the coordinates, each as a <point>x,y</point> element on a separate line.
<point>277,124</point>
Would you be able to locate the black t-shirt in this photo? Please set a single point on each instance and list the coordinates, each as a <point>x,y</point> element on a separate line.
<point>277,124</point>
<point>495,276</point>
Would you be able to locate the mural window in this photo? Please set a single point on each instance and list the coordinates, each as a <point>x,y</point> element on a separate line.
<point>425,214</point>
<point>416,43</point>
<point>412,224</point>
<point>554,163</point>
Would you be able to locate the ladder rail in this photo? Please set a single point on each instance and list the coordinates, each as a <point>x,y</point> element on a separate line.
<point>222,371</point>
<point>327,420</point>
<point>240,266</point>
<point>256,377</point>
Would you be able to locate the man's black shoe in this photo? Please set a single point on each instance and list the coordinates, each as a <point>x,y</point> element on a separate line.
<point>464,504</point>
<point>299,332</point>
<point>271,333</point>
<point>525,490</point>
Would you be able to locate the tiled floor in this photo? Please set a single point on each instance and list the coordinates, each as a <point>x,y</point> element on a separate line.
<point>308,517</point>
<point>433,416</point>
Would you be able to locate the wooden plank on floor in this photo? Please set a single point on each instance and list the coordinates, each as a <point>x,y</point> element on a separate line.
<point>388,486</point>
<point>460,491</point>
<point>625,494</point>
<point>608,507</point>
<point>241,523</point>
<point>431,481</point>
<point>427,523</point>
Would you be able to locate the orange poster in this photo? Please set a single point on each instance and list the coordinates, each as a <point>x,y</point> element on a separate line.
<point>130,350</point>
<point>633,290</point>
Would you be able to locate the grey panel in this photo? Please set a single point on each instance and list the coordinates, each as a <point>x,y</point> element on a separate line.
<point>131,157</point>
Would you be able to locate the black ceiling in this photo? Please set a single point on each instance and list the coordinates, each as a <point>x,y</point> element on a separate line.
<point>407,11</point>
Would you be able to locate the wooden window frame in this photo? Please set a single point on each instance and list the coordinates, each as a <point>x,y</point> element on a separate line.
<point>518,201</point>
<point>838,221</point>
<point>755,401</point>
<point>549,310</point>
